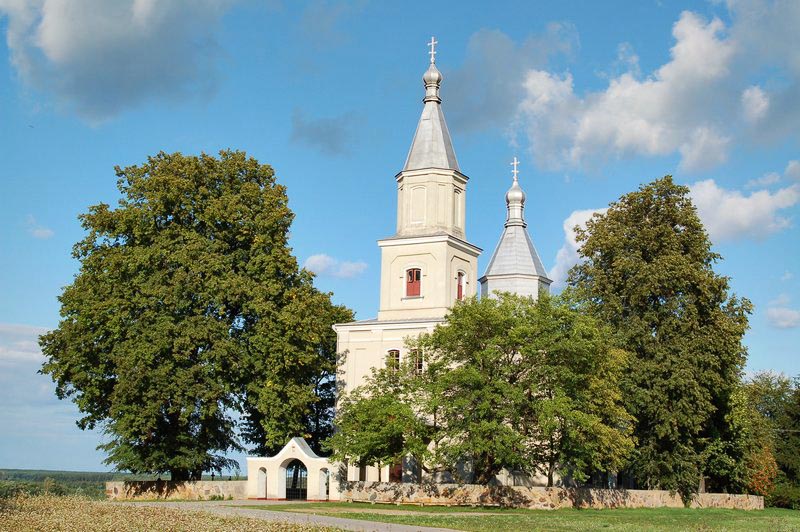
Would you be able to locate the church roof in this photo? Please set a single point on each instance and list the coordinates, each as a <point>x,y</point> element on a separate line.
<point>515,254</point>
<point>432,146</point>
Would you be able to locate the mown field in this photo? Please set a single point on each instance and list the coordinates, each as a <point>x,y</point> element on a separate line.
<point>494,519</point>
<point>70,513</point>
<point>88,484</point>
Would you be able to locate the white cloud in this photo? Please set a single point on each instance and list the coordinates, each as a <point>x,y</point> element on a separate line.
<point>567,255</point>
<point>706,148</point>
<point>99,57</point>
<point>781,301</point>
<point>726,215</point>
<point>322,264</point>
<point>793,170</point>
<point>787,276</point>
<point>36,230</point>
<point>765,180</point>
<point>729,214</point>
<point>755,103</point>
<point>698,104</point>
<point>34,420</point>
<point>780,315</point>
<point>485,91</point>
<point>20,343</point>
<point>654,116</point>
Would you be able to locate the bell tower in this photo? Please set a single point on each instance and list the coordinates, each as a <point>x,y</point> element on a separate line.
<point>428,264</point>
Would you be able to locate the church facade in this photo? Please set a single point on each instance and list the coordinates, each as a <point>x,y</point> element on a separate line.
<point>429,263</point>
<point>426,267</point>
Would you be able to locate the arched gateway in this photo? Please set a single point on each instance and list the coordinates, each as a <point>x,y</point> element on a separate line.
<point>295,473</point>
<point>296,481</point>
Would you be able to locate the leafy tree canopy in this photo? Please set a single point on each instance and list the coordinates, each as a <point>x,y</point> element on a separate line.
<point>377,423</point>
<point>507,383</point>
<point>776,399</point>
<point>648,273</point>
<point>187,308</point>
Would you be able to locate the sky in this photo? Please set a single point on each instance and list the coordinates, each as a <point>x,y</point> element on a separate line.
<point>594,98</point>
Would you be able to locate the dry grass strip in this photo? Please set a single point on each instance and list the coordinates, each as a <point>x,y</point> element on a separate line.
<point>79,514</point>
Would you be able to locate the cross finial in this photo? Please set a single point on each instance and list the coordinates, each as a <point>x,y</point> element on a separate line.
<point>515,163</point>
<point>432,45</point>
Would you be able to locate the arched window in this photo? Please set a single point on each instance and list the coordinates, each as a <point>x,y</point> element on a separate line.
<point>393,359</point>
<point>460,289</point>
<point>413,282</point>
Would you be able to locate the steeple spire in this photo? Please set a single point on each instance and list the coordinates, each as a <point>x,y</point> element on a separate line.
<point>515,200</point>
<point>515,265</point>
<point>432,146</point>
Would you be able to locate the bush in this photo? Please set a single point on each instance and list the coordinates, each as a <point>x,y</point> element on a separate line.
<point>784,495</point>
<point>12,488</point>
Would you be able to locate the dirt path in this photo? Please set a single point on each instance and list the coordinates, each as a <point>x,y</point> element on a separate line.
<point>299,517</point>
<point>385,510</point>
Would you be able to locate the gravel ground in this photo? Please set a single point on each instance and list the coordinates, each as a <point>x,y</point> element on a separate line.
<point>233,508</point>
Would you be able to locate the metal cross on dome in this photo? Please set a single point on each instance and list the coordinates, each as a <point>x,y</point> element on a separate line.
<point>515,163</point>
<point>433,44</point>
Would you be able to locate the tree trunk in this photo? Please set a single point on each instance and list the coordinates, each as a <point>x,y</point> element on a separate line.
<point>484,469</point>
<point>179,475</point>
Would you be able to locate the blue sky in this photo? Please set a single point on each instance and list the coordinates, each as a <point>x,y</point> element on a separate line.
<point>594,98</point>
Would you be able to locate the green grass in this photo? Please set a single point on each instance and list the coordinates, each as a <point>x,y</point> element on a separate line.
<point>493,519</point>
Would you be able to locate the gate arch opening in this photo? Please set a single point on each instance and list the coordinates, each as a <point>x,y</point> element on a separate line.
<point>262,483</point>
<point>296,481</point>
<point>324,484</point>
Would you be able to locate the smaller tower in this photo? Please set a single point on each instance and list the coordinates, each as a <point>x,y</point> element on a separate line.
<point>515,265</point>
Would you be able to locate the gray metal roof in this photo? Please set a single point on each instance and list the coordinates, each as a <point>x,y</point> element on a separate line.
<point>432,146</point>
<point>515,254</point>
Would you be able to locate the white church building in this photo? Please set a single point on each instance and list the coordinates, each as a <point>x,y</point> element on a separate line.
<point>426,266</point>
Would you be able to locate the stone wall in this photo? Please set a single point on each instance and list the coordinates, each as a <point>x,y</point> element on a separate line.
<point>198,490</point>
<point>537,498</point>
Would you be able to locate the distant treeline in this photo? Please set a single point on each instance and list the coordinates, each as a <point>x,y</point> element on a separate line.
<point>88,483</point>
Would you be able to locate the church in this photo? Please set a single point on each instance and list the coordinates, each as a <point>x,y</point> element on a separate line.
<point>429,263</point>
<point>426,266</point>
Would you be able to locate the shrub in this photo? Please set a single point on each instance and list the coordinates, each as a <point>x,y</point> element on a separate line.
<point>784,495</point>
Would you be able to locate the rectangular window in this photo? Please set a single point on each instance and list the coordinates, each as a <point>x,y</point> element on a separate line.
<point>460,294</point>
<point>393,359</point>
<point>413,282</point>
<point>416,357</point>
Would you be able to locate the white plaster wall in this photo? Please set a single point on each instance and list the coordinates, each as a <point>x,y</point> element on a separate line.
<point>519,284</point>
<point>439,258</point>
<point>365,346</point>
<point>431,200</point>
<point>275,467</point>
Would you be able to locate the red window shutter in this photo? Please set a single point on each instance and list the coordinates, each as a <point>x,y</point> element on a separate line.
<point>460,295</point>
<point>413,282</point>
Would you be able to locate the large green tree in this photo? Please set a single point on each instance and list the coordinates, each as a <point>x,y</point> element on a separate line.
<point>379,422</point>
<point>527,386</point>
<point>776,400</point>
<point>572,412</point>
<point>187,306</point>
<point>648,272</point>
